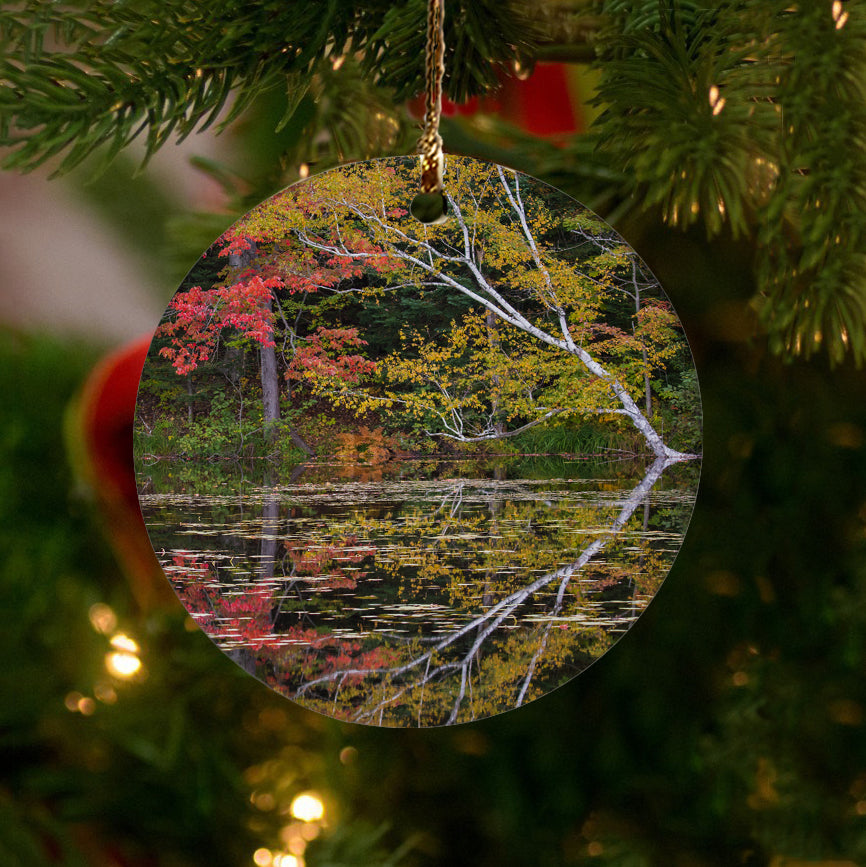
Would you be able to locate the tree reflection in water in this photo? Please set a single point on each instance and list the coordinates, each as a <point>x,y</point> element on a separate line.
<point>470,598</point>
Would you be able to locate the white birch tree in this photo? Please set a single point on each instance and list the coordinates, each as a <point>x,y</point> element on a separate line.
<point>496,251</point>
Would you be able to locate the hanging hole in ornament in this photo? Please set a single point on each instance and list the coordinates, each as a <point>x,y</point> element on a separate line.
<point>430,208</point>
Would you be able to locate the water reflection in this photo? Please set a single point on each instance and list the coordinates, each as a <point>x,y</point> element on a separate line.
<point>421,601</point>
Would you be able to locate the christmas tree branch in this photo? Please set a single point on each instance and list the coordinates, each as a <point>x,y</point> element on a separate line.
<point>745,116</point>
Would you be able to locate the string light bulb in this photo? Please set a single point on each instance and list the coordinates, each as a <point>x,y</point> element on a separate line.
<point>307,807</point>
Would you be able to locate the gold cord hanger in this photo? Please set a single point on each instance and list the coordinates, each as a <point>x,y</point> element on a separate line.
<point>430,205</point>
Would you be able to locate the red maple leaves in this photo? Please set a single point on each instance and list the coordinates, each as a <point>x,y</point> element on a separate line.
<point>200,315</point>
<point>245,614</point>
<point>323,356</point>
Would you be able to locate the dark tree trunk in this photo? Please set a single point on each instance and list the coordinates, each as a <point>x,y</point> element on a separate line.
<point>245,657</point>
<point>270,392</point>
<point>190,394</point>
<point>269,373</point>
<point>268,355</point>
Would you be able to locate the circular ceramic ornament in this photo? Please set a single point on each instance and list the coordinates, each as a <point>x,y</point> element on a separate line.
<point>413,475</point>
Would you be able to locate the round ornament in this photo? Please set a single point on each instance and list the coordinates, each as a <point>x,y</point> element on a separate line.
<point>417,473</point>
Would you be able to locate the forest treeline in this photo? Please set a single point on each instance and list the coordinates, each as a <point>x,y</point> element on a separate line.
<point>327,321</point>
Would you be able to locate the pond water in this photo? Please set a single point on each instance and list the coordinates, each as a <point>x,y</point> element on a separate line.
<point>418,594</point>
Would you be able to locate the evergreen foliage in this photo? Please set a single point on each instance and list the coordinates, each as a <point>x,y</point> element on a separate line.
<point>745,116</point>
<point>748,116</point>
<point>78,75</point>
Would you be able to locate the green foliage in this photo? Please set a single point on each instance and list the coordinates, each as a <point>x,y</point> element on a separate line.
<point>159,67</point>
<point>342,114</point>
<point>159,439</point>
<point>222,431</point>
<point>213,434</point>
<point>684,423</point>
<point>742,115</point>
<point>474,45</point>
<point>574,438</point>
<point>383,319</point>
<point>687,154</point>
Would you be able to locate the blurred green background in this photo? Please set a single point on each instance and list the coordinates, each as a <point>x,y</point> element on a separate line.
<point>726,728</point>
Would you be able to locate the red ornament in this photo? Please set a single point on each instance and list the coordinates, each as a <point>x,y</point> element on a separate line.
<point>545,103</point>
<point>101,439</point>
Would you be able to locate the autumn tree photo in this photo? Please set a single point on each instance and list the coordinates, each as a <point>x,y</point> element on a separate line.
<point>527,312</point>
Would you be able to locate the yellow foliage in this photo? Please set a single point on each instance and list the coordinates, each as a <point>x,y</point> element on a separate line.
<point>566,320</point>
